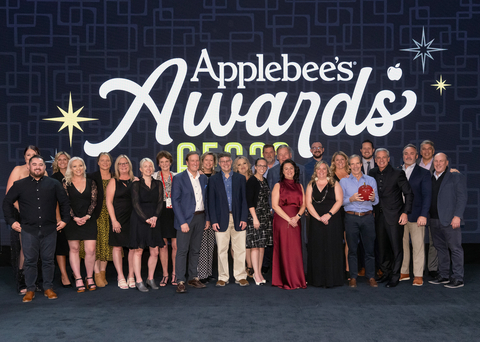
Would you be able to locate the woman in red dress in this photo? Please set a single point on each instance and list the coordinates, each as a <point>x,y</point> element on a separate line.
<point>288,202</point>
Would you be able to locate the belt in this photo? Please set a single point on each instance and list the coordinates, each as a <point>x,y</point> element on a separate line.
<point>359,214</point>
<point>199,212</point>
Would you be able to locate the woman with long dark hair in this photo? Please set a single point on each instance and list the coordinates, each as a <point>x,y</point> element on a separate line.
<point>288,202</point>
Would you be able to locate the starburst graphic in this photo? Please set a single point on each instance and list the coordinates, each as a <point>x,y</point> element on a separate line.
<point>70,119</point>
<point>423,49</point>
<point>441,85</point>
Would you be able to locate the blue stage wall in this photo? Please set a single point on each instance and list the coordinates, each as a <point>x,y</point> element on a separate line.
<point>180,75</point>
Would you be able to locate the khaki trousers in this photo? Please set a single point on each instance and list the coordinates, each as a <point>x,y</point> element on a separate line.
<point>417,234</point>
<point>238,246</point>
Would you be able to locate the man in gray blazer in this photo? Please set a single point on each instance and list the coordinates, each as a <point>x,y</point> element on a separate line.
<point>449,199</point>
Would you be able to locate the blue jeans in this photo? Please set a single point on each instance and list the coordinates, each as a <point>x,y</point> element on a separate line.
<point>364,226</point>
<point>35,245</point>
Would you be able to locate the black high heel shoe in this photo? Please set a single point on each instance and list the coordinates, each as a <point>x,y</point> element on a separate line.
<point>90,287</point>
<point>81,288</point>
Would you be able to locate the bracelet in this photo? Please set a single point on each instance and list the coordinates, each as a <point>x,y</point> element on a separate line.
<point>300,216</point>
<point>330,213</point>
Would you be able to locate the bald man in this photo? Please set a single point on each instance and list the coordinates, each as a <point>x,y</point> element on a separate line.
<point>449,199</point>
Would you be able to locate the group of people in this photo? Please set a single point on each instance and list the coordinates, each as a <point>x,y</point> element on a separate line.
<point>355,217</point>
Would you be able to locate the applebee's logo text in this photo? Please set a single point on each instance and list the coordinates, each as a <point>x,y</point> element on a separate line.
<point>379,125</point>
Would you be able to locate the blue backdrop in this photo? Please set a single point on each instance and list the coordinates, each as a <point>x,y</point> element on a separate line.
<point>179,75</point>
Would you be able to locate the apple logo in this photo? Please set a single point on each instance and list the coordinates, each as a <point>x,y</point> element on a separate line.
<point>394,73</point>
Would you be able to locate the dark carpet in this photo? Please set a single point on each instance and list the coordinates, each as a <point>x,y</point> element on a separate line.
<point>254,313</point>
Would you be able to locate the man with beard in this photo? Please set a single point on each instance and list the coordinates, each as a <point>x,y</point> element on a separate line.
<point>427,150</point>
<point>391,214</point>
<point>421,183</point>
<point>317,154</point>
<point>37,198</point>
<point>367,151</point>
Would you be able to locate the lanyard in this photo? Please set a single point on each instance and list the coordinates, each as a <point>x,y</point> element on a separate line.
<point>163,182</point>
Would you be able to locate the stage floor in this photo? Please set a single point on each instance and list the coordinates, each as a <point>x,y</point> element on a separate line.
<point>258,313</point>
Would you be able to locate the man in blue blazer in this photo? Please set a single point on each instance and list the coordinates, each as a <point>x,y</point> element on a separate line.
<point>189,190</point>
<point>449,199</point>
<point>227,205</point>
<point>421,183</point>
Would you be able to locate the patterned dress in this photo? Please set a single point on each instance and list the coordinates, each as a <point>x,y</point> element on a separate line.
<point>263,236</point>
<point>103,249</point>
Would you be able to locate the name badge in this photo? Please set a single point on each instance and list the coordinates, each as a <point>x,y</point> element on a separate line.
<point>169,203</point>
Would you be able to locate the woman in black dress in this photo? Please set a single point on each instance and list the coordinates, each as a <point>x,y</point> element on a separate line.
<point>82,192</point>
<point>119,205</point>
<point>208,162</point>
<point>324,198</point>
<point>165,161</point>
<point>147,200</point>
<point>259,224</point>
<point>59,167</point>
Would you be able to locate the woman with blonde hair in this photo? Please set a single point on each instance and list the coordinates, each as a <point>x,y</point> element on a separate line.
<point>242,165</point>
<point>147,201</point>
<point>119,206</point>
<point>340,169</point>
<point>59,167</point>
<point>82,192</point>
<point>324,198</point>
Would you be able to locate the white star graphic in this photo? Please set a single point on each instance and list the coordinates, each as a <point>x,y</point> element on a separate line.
<point>423,49</point>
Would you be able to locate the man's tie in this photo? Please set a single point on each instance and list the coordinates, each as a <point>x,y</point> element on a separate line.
<point>368,167</point>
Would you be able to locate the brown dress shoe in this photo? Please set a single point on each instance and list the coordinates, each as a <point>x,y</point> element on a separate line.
<point>196,283</point>
<point>361,273</point>
<point>221,283</point>
<point>404,276</point>
<point>181,287</point>
<point>352,282</point>
<point>50,294</point>
<point>242,282</point>
<point>417,281</point>
<point>29,296</point>
<point>373,282</point>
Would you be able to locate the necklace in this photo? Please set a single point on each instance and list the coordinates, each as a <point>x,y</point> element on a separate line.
<point>326,192</point>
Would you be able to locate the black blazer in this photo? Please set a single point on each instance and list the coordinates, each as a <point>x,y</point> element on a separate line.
<point>391,199</point>
<point>97,177</point>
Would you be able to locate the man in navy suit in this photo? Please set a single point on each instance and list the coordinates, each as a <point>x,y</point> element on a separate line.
<point>228,212</point>
<point>421,183</point>
<point>191,218</point>
<point>427,151</point>
<point>449,199</point>
<point>391,214</point>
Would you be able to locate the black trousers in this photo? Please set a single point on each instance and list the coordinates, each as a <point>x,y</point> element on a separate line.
<point>389,246</point>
